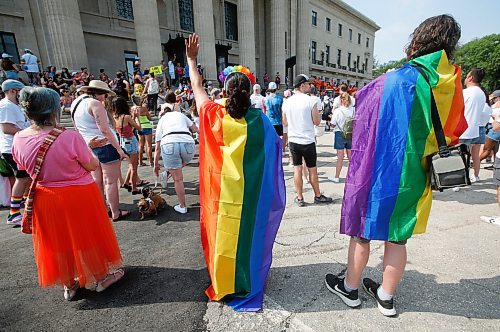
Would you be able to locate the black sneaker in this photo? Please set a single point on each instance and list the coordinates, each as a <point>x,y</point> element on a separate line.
<point>322,199</point>
<point>336,286</point>
<point>299,202</point>
<point>385,307</point>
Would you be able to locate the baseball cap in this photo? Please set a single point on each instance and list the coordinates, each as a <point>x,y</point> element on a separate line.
<point>302,78</point>
<point>12,84</point>
<point>272,86</point>
<point>256,87</point>
<point>5,56</point>
<point>496,93</point>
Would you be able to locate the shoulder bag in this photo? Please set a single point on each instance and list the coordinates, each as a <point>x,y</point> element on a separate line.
<point>449,167</point>
<point>27,221</point>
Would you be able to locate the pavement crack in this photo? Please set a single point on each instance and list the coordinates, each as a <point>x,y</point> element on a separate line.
<point>283,244</point>
<point>316,241</point>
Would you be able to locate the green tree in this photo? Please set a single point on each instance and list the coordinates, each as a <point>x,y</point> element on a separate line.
<point>482,53</point>
<point>382,68</point>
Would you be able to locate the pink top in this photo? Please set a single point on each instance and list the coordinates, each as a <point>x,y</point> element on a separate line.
<point>63,162</point>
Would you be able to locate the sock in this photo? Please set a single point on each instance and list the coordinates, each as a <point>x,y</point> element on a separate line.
<point>15,206</point>
<point>347,287</point>
<point>383,295</point>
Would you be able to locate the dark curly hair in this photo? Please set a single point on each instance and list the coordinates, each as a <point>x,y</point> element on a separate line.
<point>436,33</point>
<point>237,87</point>
<point>119,106</point>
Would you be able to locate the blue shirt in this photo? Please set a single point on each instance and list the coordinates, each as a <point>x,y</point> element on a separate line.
<point>273,109</point>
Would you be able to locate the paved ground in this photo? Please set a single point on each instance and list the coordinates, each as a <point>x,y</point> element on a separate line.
<point>451,283</point>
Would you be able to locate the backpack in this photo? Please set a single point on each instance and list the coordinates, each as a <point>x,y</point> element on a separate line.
<point>117,86</point>
<point>327,111</point>
<point>347,127</point>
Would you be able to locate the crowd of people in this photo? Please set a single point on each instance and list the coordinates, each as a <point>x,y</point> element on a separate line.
<point>191,110</point>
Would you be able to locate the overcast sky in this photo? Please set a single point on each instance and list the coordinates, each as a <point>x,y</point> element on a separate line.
<point>398,18</point>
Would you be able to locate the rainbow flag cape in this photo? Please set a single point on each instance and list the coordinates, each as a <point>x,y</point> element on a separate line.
<point>387,193</point>
<point>242,198</point>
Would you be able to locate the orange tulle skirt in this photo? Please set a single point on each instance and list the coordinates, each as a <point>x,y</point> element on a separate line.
<point>73,236</point>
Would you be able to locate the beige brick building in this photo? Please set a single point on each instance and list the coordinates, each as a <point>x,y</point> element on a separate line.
<point>324,38</point>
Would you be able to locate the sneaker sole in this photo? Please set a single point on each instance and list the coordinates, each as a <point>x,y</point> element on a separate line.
<point>347,301</point>
<point>384,311</point>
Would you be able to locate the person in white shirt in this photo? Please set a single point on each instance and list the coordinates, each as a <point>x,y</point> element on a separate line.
<point>490,146</point>
<point>152,88</point>
<point>340,116</point>
<point>29,64</point>
<point>12,120</point>
<point>300,114</point>
<point>474,100</point>
<point>336,100</point>
<point>257,99</point>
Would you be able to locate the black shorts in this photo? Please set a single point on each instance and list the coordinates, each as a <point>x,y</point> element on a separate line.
<point>279,129</point>
<point>10,160</point>
<point>362,240</point>
<point>303,151</point>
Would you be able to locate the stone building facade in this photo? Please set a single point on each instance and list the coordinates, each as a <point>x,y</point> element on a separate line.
<point>325,38</point>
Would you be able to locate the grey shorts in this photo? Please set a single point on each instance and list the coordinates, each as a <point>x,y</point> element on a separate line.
<point>175,155</point>
<point>364,241</point>
<point>496,173</point>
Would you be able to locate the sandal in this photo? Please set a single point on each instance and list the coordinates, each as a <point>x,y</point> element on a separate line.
<point>126,186</point>
<point>123,214</point>
<point>110,279</point>
<point>142,183</point>
<point>136,192</point>
<point>142,164</point>
<point>70,292</point>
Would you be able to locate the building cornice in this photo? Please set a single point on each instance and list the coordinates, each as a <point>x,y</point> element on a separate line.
<point>341,5</point>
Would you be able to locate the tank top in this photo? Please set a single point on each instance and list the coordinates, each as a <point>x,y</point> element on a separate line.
<point>124,131</point>
<point>145,123</point>
<point>84,122</point>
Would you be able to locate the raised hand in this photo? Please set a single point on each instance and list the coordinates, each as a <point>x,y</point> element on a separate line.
<point>192,46</point>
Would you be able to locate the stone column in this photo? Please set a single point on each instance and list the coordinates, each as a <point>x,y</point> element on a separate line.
<point>66,34</point>
<point>246,34</point>
<point>147,32</point>
<point>204,27</point>
<point>303,37</point>
<point>278,27</point>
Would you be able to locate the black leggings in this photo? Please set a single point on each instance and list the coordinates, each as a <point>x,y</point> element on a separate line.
<point>152,100</point>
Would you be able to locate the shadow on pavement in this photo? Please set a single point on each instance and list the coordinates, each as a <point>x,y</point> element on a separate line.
<point>143,285</point>
<point>302,289</point>
<point>473,194</point>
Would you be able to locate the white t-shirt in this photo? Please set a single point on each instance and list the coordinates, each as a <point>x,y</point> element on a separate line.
<point>257,101</point>
<point>474,100</point>
<point>171,68</point>
<point>317,101</point>
<point>10,113</point>
<point>486,115</point>
<point>31,62</point>
<point>174,122</point>
<point>340,115</point>
<point>336,102</point>
<point>298,112</point>
<point>153,87</point>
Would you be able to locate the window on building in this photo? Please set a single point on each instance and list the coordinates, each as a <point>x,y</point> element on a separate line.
<point>340,30</point>
<point>359,39</point>
<point>349,59</point>
<point>327,54</point>
<point>313,50</point>
<point>328,24</point>
<point>357,62</point>
<point>366,64</point>
<point>350,35</point>
<point>286,41</point>
<point>186,15</point>
<point>8,45</point>
<point>231,14</point>
<point>367,42</point>
<point>339,57</point>
<point>314,18</point>
<point>124,9</point>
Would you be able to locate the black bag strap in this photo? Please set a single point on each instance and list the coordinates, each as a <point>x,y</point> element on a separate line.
<point>436,120</point>
<point>75,108</point>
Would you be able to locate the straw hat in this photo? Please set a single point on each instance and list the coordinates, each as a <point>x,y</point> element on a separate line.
<point>98,85</point>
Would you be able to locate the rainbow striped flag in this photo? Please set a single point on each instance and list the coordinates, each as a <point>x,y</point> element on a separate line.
<point>387,193</point>
<point>242,198</point>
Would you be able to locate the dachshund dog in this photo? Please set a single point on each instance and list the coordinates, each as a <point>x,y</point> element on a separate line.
<point>151,203</point>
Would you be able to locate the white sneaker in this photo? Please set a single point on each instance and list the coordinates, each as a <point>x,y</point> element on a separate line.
<point>180,209</point>
<point>334,179</point>
<point>474,179</point>
<point>494,220</point>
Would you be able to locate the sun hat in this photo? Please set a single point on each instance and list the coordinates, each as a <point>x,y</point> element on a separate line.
<point>5,56</point>
<point>256,87</point>
<point>272,86</point>
<point>12,84</point>
<point>98,85</point>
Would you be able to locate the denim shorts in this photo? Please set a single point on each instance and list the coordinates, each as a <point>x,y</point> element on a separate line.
<point>130,145</point>
<point>341,143</point>
<point>478,140</point>
<point>493,135</point>
<point>145,132</point>
<point>106,154</point>
<point>174,155</point>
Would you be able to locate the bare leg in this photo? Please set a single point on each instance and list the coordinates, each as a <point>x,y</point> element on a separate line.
<point>20,186</point>
<point>488,147</point>
<point>149,140</point>
<point>179,186</point>
<point>475,158</point>
<point>97,176</point>
<point>305,174</point>
<point>340,163</point>
<point>394,266</point>
<point>142,142</point>
<point>133,163</point>
<point>356,262</point>
<point>297,180</point>
<point>111,172</point>
<point>313,177</point>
